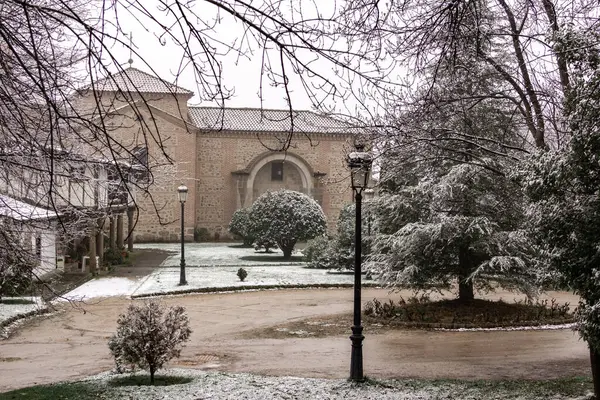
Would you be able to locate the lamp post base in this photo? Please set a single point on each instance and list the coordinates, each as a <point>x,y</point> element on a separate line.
<point>182,280</point>
<point>356,362</point>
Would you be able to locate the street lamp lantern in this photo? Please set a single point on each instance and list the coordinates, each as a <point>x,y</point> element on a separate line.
<point>359,163</point>
<point>182,191</point>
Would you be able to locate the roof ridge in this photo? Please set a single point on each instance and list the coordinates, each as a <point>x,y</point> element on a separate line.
<point>154,77</point>
<point>249,109</point>
<point>124,79</point>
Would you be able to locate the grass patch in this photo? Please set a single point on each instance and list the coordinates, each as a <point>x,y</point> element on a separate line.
<point>571,387</point>
<point>17,300</point>
<point>420,312</point>
<point>144,380</point>
<point>278,258</point>
<point>60,391</point>
<point>511,389</point>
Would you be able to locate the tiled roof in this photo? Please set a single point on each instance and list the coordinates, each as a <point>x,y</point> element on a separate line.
<point>21,211</point>
<point>261,120</point>
<point>134,80</point>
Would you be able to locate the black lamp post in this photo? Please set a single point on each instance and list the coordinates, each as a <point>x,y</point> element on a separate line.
<point>359,162</point>
<point>183,191</point>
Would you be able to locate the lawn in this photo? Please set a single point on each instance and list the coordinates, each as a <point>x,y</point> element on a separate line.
<point>192,384</point>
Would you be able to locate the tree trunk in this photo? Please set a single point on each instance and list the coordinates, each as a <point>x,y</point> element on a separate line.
<point>287,246</point>
<point>594,358</point>
<point>465,289</point>
<point>152,370</point>
<point>287,252</point>
<point>465,285</point>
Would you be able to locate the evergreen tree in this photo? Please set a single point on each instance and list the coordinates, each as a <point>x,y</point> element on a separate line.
<point>449,213</point>
<point>563,186</point>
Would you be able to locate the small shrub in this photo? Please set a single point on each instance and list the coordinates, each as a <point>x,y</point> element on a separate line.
<point>239,225</point>
<point>242,274</point>
<point>149,335</point>
<point>114,257</point>
<point>201,235</point>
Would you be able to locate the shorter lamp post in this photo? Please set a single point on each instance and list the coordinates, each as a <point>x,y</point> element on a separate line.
<point>359,163</point>
<point>183,191</point>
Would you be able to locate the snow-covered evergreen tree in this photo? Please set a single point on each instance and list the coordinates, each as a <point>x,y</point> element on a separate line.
<point>286,217</point>
<point>448,213</point>
<point>239,225</point>
<point>564,187</point>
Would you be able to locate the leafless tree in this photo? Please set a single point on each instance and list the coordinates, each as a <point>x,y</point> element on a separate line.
<point>372,58</point>
<point>515,39</point>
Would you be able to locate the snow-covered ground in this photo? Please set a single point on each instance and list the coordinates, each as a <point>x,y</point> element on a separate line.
<point>167,279</point>
<point>8,311</point>
<point>209,265</point>
<point>213,254</point>
<point>221,386</point>
<point>103,287</point>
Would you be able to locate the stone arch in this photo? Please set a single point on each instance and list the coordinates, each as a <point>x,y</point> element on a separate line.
<point>303,168</point>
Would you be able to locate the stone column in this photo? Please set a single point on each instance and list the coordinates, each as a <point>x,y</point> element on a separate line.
<point>130,229</point>
<point>241,183</point>
<point>317,193</point>
<point>112,236</point>
<point>92,251</point>
<point>100,241</point>
<point>120,231</point>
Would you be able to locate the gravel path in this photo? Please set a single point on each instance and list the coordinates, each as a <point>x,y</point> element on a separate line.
<point>227,337</point>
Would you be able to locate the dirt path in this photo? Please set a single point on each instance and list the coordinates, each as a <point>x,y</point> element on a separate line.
<point>72,344</point>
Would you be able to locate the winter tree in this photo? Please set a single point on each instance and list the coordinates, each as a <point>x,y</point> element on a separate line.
<point>16,265</point>
<point>53,53</point>
<point>149,335</point>
<point>564,217</point>
<point>448,214</point>
<point>239,225</point>
<point>286,217</point>
<point>512,38</point>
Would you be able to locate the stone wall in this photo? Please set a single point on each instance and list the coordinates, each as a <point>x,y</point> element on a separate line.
<point>224,170</point>
<point>171,144</point>
<point>225,160</point>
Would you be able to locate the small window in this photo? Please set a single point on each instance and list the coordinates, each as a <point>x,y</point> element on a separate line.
<point>277,171</point>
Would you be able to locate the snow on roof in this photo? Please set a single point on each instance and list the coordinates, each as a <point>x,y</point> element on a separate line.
<point>134,80</point>
<point>261,120</point>
<point>21,211</point>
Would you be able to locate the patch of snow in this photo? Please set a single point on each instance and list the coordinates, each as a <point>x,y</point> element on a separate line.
<point>512,328</point>
<point>167,279</point>
<point>213,254</point>
<point>220,386</point>
<point>102,287</point>
<point>10,311</point>
<point>21,211</point>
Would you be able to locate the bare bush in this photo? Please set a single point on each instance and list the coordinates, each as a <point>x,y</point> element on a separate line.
<point>149,335</point>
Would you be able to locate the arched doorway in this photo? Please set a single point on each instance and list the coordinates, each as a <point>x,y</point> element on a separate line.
<point>278,171</point>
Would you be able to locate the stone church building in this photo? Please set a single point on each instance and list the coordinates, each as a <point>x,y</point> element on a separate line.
<point>226,157</point>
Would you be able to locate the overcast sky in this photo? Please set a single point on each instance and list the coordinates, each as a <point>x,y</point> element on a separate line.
<point>241,73</point>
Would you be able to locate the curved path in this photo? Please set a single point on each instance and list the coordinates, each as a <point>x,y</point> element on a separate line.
<point>72,344</point>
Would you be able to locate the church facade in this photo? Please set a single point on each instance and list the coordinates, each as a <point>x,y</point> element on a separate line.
<point>226,157</point>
